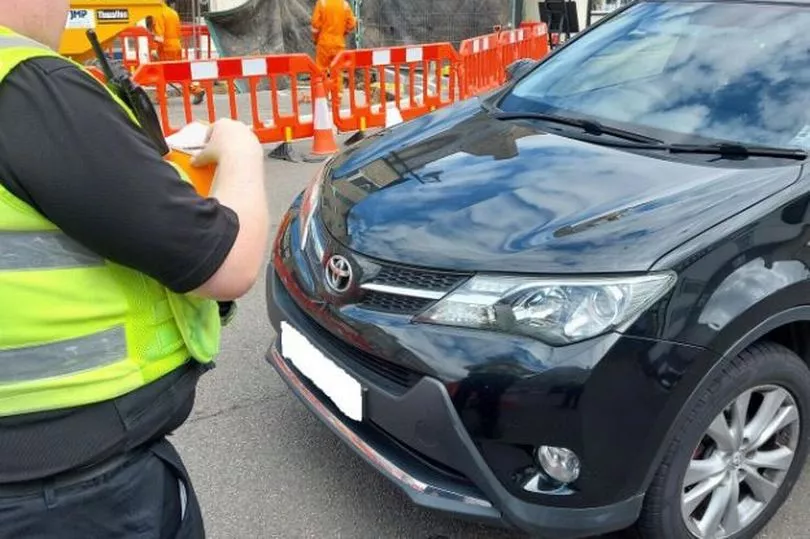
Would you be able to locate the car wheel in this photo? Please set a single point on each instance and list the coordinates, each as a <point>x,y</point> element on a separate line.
<point>737,453</point>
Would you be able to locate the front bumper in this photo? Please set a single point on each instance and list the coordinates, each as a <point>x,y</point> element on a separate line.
<point>401,432</point>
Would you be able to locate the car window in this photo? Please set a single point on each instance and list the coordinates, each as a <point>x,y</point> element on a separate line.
<point>685,70</point>
<point>620,62</point>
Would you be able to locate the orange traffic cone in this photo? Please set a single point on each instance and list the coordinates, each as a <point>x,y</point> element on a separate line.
<point>323,143</point>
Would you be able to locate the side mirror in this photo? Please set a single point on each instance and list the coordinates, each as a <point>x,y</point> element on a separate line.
<point>519,67</point>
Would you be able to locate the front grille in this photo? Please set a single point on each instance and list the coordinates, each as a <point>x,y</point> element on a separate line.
<point>405,378</point>
<point>433,281</point>
<point>354,357</point>
<point>394,304</point>
<point>395,377</point>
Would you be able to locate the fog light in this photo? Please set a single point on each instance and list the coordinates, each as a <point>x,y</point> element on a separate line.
<point>559,463</point>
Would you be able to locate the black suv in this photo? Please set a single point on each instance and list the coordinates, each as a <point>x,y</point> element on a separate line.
<point>582,302</point>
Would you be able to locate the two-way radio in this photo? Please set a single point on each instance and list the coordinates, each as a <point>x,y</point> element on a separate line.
<point>120,82</point>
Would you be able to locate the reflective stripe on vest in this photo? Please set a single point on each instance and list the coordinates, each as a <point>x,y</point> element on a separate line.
<point>40,250</point>
<point>19,41</point>
<point>63,357</point>
<point>43,250</point>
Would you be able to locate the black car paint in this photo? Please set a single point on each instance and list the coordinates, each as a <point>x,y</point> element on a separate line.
<point>486,194</point>
<point>735,231</point>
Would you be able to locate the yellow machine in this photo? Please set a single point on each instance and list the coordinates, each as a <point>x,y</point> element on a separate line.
<point>107,17</point>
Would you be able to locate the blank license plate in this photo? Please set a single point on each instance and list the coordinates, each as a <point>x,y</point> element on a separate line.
<point>342,389</point>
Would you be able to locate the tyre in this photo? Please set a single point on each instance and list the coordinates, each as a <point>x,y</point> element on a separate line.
<point>737,453</point>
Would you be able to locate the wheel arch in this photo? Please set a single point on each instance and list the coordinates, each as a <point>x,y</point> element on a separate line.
<point>767,328</point>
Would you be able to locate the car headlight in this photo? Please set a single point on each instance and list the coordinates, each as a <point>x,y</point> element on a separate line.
<point>556,311</point>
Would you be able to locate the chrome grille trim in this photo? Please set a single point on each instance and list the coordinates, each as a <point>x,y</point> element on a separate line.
<point>403,291</point>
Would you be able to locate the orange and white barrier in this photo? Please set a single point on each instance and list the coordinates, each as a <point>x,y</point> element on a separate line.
<point>136,45</point>
<point>418,79</point>
<point>277,117</point>
<point>278,95</point>
<point>197,43</point>
<point>481,63</point>
<point>530,41</point>
<point>539,44</point>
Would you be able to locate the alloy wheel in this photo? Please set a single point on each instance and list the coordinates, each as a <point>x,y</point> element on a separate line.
<point>740,462</point>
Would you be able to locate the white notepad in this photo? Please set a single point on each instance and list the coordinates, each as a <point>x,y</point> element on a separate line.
<point>190,139</point>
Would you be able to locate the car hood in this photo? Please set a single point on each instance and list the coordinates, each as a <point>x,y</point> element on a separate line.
<point>458,189</point>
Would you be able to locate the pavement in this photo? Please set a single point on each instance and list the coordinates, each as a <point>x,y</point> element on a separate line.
<point>264,467</point>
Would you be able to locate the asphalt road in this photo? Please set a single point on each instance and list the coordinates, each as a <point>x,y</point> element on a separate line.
<point>264,467</point>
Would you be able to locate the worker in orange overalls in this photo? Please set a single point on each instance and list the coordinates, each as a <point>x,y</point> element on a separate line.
<point>332,21</point>
<point>169,44</point>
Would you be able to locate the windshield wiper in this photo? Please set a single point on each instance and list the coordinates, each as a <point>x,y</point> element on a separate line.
<point>737,150</point>
<point>592,127</point>
<point>726,149</point>
<point>589,126</point>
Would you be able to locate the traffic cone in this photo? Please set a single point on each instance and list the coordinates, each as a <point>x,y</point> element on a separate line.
<point>323,143</point>
<point>392,115</point>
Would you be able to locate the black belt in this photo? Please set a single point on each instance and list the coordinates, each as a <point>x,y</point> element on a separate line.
<point>69,478</point>
<point>69,445</point>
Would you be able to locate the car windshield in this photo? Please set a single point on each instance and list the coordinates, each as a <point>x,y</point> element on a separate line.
<point>685,72</point>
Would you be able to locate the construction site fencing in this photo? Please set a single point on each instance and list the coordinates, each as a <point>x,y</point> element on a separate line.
<point>276,103</point>
<point>275,94</point>
<point>197,42</point>
<point>539,38</point>
<point>136,46</point>
<point>416,80</point>
<point>133,47</point>
<point>481,63</point>
<point>527,42</point>
<point>484,59</point>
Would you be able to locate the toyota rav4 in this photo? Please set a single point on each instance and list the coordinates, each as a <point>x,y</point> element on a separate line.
<point>580,303</point>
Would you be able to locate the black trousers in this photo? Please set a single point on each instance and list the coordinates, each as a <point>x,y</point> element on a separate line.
<point>146,494</point>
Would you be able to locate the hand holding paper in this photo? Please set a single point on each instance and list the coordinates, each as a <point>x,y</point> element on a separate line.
<point>227,139</point>
<point>184,146</point>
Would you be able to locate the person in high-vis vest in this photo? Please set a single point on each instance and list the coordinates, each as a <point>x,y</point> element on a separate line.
<point>169,45</point>
<point>332,21</point>
<point>111,267</point>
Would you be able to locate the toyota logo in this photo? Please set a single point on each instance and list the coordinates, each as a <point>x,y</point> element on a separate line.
<point>338,274</point>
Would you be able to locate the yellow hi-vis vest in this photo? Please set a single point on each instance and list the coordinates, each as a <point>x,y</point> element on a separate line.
<point>75,328</point>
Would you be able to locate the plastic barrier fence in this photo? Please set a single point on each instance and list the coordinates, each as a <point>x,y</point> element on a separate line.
<point>136,45</point>
<point>483,57</point>
<point>197,43</point>
<point>416,79</point>
<point>274,94</point>
<point>526,42</point>
<point>272,105</point>
<point>481,64</point>
<point>538,39</point>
